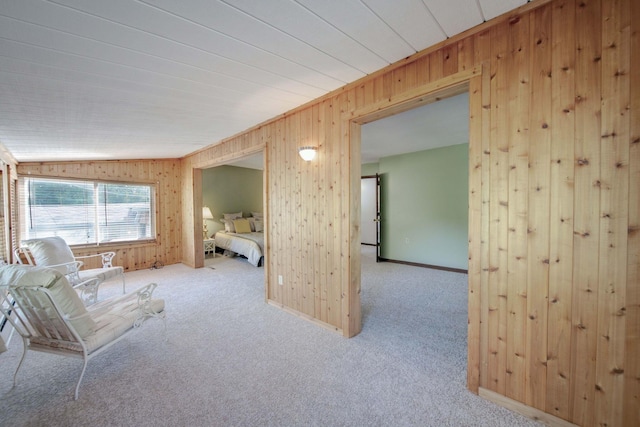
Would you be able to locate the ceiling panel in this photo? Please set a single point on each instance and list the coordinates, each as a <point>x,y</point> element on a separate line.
<point>61,43</point>
<point>410,19</point>
<point>455,16</point>
<point>107,33</point>
<point>239,25</point>
<point>170,27</point>
<point>294,19</point>
<point>124,79</point>
<point>357,21</point>
<point>493,8</point>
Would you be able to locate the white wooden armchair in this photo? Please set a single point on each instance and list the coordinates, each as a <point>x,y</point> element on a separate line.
<point>54,252</point>
<point>50,317</point>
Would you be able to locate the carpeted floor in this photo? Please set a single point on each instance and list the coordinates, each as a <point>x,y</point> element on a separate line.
<point>233,360</point>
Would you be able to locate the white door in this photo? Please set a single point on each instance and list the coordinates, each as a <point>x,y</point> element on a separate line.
<point>369,210</point>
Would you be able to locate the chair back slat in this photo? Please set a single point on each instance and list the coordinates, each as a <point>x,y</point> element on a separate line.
<point>14,314</point>
<point>23,256</point>
<point>41,314</point>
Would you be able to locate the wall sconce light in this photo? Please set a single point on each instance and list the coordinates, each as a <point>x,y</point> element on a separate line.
<point>307,153</point>
<point>206,215</point>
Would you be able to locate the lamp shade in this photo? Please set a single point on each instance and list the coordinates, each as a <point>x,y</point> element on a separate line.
<point>307,153</point>
<point>206,213</point>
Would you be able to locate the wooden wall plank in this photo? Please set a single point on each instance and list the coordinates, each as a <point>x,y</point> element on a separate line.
<point>498,208</point>
<point>482,54</point>
<point>614,211</point>
<point>320,215</point>
<point>586,210</point>
<point>436,65</point>
<point>450,59</point>
<point>475,233</point>
<point>466,54</point>
<point>307,171</point>
<point>516,209</point>
<point>631,400</point>
<point>422,71</point>
<point>539,194</point>
<point>288,219</point>
<point>561,214</point>
<point>337,229</point>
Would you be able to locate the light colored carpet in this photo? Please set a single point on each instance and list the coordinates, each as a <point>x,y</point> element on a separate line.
<point>233,360</point>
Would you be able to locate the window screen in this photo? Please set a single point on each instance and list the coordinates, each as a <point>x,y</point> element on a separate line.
<point>86,212</point>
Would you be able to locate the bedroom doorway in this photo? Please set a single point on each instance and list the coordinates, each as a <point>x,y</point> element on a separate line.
<point>233,196</point>
<point>226,201</point>
<point>424,217</point>
<point>362,150</point>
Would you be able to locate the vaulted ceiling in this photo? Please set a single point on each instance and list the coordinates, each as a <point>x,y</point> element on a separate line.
<point>136,79</point>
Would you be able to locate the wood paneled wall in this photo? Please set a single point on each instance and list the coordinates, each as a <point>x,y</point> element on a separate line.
<point>554,230</point>
<point>166,174</point>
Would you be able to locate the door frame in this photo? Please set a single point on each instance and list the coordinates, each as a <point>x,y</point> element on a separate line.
<point>474,82</point>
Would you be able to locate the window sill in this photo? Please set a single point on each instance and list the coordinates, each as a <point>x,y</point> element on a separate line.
<point>116,245</point>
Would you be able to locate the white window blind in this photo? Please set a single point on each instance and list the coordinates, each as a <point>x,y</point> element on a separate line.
<point>86,212</point>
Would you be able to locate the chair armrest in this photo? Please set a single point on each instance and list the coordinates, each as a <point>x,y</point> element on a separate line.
<point>88,290</point>
<point>106,258</point>
<point>71,270</point>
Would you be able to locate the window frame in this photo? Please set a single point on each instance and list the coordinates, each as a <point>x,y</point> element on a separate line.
<point>153,211</point>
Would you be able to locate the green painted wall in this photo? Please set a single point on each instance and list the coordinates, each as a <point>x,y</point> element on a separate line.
<point>370,169</point>
<point>425,207</point>
<point>229,189</point>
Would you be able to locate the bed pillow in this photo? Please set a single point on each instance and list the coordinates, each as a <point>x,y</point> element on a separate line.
<point>259,225</point>
<point>242,225</point>
<point>257,215</point>
<point>232,216</point>
<point>228,225</point>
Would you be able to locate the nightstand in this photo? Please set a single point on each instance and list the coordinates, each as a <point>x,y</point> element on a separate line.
<point>209,246</point>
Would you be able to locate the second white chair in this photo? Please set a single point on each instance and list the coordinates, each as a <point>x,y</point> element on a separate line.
<point>54,252</point>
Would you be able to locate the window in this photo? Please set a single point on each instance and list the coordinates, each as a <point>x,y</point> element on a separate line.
<point>86,212</point>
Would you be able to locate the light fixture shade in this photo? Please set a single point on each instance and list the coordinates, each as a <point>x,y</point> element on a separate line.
<point>307,153</point>
<point>206,213</point>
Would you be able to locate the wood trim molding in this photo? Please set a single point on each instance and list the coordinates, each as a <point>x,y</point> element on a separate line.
<point>521,408</point>
<point>304,316</point>
<point>431,92</point>
<point>417,264</point>
<point>222,160</point>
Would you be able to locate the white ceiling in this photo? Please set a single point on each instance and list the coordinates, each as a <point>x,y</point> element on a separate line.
<point>135,79</point>
<point>434,125</point>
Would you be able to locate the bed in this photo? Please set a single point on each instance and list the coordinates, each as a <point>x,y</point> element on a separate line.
<point>249,245</point>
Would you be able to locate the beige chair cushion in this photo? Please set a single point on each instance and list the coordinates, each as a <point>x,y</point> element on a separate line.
<point>50,251</point>
<point>63,294</point>
<point>112,320</point>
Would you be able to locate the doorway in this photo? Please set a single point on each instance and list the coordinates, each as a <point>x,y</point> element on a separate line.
<point>424,217</point>
<point>429,93</point>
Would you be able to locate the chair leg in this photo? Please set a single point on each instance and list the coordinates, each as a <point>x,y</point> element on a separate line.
<point>24,355</point>
<point>84,368</point>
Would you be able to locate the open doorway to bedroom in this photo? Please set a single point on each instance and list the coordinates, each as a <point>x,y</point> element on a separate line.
<point>420,155</point>
<point>233,201</point>
<point>420,159</point>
